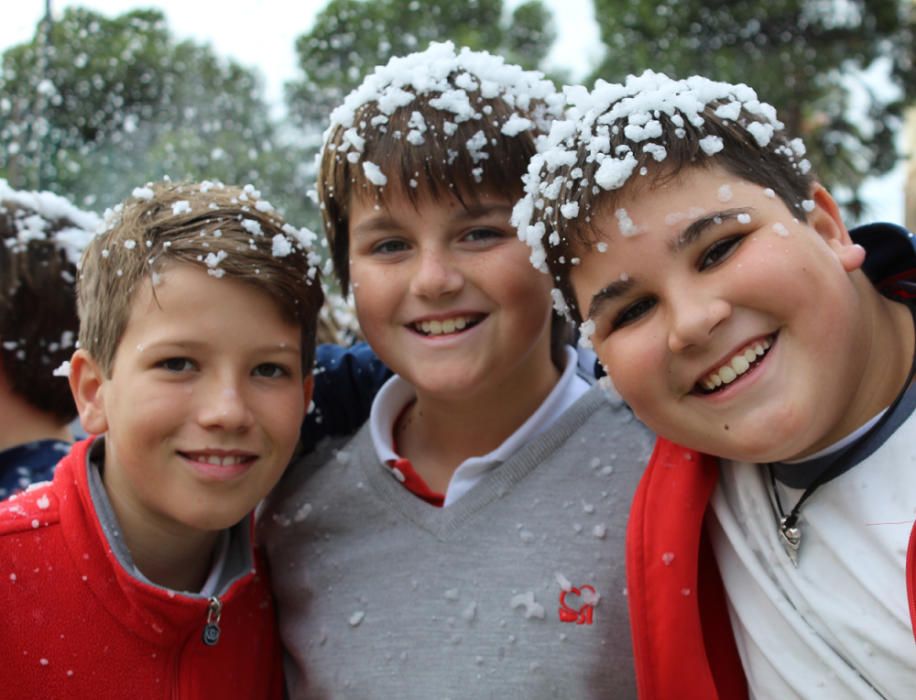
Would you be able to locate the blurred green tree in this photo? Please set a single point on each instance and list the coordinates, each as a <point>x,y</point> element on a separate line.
<point>350,37</point>
<point>98,105</point>
<point>840,72</point>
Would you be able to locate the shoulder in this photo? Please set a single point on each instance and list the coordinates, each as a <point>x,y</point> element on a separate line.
<point>30,510</point>
<point>325,468</point>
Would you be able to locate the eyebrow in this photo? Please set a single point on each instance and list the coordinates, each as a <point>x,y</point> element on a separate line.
<point>472,210</point>
<point>606,294</point>
<point>194,345</point>
<point>699,226</point>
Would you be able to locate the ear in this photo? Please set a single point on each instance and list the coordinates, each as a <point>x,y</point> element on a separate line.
<point>86,383</point>
<point>308,386</point>
<point>827,222</point>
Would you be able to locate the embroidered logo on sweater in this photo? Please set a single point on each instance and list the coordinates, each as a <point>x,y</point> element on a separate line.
<point>585,597</point>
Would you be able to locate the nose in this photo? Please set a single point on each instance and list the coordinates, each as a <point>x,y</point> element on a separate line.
<point>223,405</point>
<point>436,274</point>
<point>693,318</point>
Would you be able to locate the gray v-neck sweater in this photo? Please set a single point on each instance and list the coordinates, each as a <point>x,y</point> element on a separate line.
<point>382,595</point>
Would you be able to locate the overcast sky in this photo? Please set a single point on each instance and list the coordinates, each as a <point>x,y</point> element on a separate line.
<point>261,33</point>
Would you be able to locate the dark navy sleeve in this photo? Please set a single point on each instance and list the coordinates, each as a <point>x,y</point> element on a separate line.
<point>346,381</point>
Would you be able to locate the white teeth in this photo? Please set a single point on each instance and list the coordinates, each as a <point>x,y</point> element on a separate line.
<point>736,366</point>
<point>449,325</point>
<point>217,460</point>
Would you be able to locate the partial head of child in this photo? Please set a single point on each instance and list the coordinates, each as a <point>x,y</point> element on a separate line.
<point>713,274</point>
<point>42,237</point>
<point>418,174</point>
<point>198,310</point>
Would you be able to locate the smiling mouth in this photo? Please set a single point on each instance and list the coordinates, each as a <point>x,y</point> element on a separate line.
<point>742,362</point>
<point>446,326</point>
<point>218,460</point>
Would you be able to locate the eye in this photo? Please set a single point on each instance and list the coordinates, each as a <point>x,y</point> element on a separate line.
<point>388,246</point>
<point>483,234</point>
<point>270,370</point>
<point>633,312</point>
<point>177,364</point>
<point>719,251</point>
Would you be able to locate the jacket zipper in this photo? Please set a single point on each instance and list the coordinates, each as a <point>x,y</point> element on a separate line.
<point>211,629</point>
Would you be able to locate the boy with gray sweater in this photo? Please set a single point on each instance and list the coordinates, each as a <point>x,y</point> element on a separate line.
<point>468,541</point>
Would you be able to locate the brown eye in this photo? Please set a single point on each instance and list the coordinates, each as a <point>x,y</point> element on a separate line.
<point>176,364</point>
<point>634,312</point>
<point>719,251</point>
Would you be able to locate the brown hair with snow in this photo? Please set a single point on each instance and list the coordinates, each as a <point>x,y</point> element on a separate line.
<point>227,231</point>
<point>433,124</point>
<point>720,125</point>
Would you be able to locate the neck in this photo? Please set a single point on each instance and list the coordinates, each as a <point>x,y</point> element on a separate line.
<point>21,422</point>
<point>437,434</point>
<point>169,555</point>
<point>889,343</point>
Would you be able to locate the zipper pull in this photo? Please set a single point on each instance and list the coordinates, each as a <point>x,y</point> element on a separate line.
<point>211,629</point>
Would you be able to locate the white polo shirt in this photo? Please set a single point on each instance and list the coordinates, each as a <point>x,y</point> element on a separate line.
<point>396,394</point>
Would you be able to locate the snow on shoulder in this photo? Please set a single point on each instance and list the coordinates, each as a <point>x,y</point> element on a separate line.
<point>616,132</point>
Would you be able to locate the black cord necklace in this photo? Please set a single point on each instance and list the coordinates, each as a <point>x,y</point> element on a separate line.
<point>789,532</point>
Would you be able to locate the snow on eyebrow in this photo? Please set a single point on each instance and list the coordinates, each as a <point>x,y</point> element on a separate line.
<point>616,126</point>
<point>447,79</point>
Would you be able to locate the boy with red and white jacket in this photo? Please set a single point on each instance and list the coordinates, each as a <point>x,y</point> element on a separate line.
<point>133,573</point>
<point>738,317</point>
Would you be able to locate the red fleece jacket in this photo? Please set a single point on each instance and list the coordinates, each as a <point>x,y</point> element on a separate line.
<point>683,642</point>
<point>75,624</point>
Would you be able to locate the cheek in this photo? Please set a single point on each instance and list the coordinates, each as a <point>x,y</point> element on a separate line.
<point>636,366</point>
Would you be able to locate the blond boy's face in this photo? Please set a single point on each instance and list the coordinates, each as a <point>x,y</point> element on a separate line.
<point>446,297</point>
<point>726,324</point>
<point>204,403</point>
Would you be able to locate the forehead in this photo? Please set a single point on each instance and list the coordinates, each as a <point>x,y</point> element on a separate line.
<point>399,203</point>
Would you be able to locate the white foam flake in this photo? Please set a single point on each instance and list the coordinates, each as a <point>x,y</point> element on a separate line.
<point>780,229</point>
<point>532,609</point>
<point>63,370</point>
<point>625,224</point>
<point>374,174</point>
<point>743,218</point>
<point>182,206</point>
<point>808,205</point>
<point>711,144</point>
<point>145,193</point>
<point>280,246</point>
<point>725,193</point>
<point>614,172</point>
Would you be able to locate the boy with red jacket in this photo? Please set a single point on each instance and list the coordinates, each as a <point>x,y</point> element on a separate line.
<point>133,572</point>
<point>736,314</point>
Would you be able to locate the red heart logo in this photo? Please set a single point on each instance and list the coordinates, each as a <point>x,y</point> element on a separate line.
<point>583,614</point>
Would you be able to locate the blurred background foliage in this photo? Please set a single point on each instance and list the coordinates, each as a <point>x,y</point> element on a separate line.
<point>94,105</point>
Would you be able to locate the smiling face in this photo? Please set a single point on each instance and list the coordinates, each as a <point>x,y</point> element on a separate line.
<point>446,297</point>
<point>727,325</point>
<point>203,406</point>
